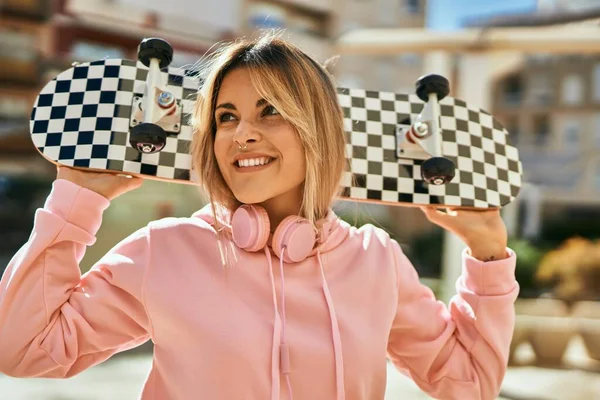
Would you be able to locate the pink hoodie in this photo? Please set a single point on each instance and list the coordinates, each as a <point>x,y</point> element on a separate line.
<point>218,332</point>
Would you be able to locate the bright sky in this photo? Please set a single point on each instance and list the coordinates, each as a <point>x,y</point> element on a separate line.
<point>447,15</point>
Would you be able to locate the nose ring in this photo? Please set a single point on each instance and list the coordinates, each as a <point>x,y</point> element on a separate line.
<point>243,148</point>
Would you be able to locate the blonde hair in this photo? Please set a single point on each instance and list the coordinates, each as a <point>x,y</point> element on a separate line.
<point>302,91</point>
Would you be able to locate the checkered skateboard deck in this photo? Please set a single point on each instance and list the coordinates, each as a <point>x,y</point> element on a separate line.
<point>488,169</point>
<point>83,118</point>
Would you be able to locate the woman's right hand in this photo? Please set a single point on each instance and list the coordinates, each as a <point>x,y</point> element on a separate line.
<point>106,184</point>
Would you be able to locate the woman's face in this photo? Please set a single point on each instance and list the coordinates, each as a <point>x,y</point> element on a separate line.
<point>272,167</point>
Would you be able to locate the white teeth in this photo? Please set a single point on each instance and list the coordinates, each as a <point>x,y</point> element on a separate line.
<point>252,162</point>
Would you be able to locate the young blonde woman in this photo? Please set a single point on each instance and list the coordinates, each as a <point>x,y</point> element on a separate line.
<point>266,294</point>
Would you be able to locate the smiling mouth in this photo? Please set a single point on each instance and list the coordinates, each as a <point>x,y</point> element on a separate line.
<point>253,162</point>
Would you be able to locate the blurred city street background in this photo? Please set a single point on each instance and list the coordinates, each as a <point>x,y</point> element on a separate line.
<point>548,100</point>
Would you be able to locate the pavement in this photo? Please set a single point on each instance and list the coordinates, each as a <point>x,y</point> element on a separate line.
<point>122,377</point>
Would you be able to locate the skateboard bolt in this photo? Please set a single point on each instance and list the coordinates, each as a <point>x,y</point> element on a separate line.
<point>166,99</point>
<point>420,129</point>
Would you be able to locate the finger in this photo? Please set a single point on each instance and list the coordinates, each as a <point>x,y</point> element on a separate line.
<point>432,214</point>
<point>439,213</point>
<point>133,182</point>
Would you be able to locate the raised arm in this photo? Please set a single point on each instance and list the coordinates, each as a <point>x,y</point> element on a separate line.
<point>459,351</point>
<point>53,321</point>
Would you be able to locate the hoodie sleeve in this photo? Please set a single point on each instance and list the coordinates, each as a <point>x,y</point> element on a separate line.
<point>460,351</point>
<point>55,322</point>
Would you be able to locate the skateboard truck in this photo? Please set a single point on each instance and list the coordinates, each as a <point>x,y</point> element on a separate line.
<point>423,139</point>
<point>158,112</point>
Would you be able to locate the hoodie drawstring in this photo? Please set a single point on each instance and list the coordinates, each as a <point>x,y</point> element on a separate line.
<point>280,356</point>
<point>285,350</point>
<point>276,335</point>
<point>337,339</point>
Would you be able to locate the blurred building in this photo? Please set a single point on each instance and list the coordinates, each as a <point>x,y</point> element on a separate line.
<point>307,23</point>
<point>551,106</point>
<point>314,25</point>
<point>395,73</point>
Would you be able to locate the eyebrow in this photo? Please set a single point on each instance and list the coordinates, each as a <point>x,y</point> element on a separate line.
<point>230,106</point>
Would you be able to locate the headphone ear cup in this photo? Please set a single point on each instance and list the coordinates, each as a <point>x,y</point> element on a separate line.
<point>250,227</point>
<point>297,236</point>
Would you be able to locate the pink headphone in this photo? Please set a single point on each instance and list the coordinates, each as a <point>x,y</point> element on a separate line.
<point>250,229</point>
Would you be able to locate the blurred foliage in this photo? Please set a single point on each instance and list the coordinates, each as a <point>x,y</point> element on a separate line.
<point>572,270</point>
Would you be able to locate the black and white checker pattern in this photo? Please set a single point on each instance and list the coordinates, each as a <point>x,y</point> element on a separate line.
<point>488,170</point>
<point>82,117</point>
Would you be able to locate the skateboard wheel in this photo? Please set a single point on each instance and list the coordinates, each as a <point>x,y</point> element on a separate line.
<point>148,138</point>
<point>157,48</point>
<point>438,170</point>
<point>432,84</point>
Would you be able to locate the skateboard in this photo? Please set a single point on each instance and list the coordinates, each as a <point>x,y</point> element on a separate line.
<point>134,117</point>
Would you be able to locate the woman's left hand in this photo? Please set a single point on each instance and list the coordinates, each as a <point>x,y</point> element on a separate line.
<point>483,231</point>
